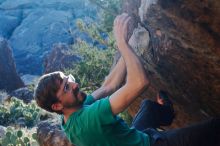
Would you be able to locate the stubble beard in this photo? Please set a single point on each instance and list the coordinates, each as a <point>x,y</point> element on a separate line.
<point>79,98</point>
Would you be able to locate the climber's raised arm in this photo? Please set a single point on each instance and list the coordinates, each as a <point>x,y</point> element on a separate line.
<point>136,80</point>
<point>112,82</point>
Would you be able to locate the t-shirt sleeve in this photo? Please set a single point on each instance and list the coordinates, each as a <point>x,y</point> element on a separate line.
<point>100,111</point>
<point>89,100</point>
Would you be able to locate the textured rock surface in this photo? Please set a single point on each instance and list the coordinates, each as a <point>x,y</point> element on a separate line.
<point>2,131</point>
<point>59,58</point>
<point>29,79</point>
<point>9,79</point>
<point>3,96</point>
<point>183,56</point>
<point>24,94</point>
<point>32,27</point>
<point>50,134</point>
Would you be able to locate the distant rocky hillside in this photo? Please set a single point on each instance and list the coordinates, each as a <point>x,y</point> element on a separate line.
<point>9,79</point>
<point>59,59</point>
<point>32,27</point>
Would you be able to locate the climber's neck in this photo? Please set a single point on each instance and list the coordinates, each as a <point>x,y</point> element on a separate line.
<point>68,112</point>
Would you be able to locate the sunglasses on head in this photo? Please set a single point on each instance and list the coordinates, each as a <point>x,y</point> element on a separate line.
<point>70,78</point>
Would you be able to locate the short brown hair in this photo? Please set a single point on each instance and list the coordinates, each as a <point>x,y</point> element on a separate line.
<point>46,89</point>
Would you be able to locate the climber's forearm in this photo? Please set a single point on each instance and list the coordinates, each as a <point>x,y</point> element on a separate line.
<point>113,81</point>
<point>116,77</point>
<point>135,84</point>
<point>136,77</point>
<point>135,71</point>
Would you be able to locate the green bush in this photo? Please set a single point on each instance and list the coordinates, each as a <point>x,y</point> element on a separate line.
<point>95,65</point>
<point>126,117</point>
<point>15,112</point>
<point>96,62</point>
<point>19,137</point>
<point>108,12</point>
<point>95,31</point>
<point>20,118</point>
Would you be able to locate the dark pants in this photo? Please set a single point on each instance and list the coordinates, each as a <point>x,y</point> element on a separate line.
<point>153,115</point>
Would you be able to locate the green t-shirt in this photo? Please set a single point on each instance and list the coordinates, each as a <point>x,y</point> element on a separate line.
<point>95,125</point>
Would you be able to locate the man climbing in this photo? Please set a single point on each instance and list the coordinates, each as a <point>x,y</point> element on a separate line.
<point>92,120</point>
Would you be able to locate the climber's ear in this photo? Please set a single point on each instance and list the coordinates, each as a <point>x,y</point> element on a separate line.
<point>57,106</point>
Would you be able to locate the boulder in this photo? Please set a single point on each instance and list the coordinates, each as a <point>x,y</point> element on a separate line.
<point>49,133</point>
<point>2,131</point>
<point>8,23</point>
<point>60,58</point>
<point>25,94</point>
<point>9,78</point>
<point>3,97</point>
<point>29,79</point>
<point>179,44</point>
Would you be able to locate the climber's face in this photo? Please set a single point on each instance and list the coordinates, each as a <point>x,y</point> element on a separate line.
<point>69,93</point>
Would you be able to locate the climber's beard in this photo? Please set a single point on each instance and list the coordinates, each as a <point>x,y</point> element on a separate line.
<point>77,100</point>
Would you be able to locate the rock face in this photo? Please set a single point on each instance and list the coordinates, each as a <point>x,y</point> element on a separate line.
<point>29,79</point>
<point>32,27</point>
<point>9,79</point>
<point>50,134</point>
<point>182,56</point>
<point>2,131</point>
<point>59,58</point>
<point>3,96</point>
<point>24,94</point>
